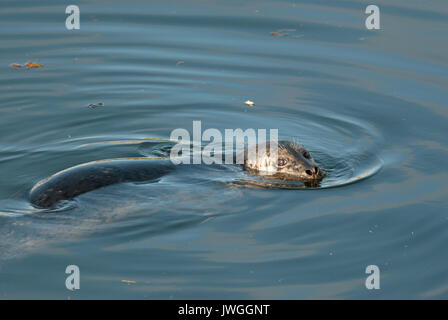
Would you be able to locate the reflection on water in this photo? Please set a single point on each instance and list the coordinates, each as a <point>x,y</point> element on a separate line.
<point>366,104</point>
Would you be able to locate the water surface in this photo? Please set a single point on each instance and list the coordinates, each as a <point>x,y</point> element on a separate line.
<point>369,105</point>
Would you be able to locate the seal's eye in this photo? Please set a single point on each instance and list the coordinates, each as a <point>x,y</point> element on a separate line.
<point>306,154</point>
<point>281,162</point>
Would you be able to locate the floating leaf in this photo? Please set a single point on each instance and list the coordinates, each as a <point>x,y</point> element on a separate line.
<point>33,65</point>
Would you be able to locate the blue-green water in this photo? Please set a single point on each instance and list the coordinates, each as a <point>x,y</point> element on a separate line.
<point>362,101</point>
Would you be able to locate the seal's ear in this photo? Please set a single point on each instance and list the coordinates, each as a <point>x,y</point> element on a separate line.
<point>304,152</point>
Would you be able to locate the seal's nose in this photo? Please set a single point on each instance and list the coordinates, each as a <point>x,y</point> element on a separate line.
<point>313,172</point>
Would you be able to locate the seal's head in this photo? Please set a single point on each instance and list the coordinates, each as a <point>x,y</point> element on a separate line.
<point>293,162</point>
<point>296,162</point>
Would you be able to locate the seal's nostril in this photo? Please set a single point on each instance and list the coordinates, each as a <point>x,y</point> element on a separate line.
<point>308,172</point>
<point>316,170</point>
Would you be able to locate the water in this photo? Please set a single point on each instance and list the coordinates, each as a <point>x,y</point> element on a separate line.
<point>369,105</point>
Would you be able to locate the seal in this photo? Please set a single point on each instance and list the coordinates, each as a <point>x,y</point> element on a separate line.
<point>292,162</point>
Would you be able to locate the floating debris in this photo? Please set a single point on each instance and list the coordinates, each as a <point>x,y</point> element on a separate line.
<point>32,65</point>
<point>279,34</point>
<point>180,62</point>
<point>27,65</point>
<point>249,103</point>
<point>284,33</point>
<point>98,105</point>
<point>129,281</point>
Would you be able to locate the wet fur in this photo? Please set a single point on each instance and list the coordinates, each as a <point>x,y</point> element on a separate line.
<point>297,167</point>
